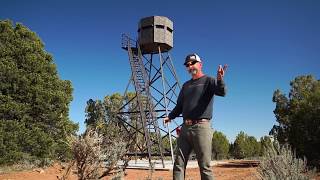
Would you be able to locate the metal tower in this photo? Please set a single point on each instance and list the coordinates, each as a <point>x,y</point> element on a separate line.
<point>156,88</point>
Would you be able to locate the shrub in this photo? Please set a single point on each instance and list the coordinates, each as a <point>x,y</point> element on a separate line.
<point>97,155</point>
<point>279,162</point>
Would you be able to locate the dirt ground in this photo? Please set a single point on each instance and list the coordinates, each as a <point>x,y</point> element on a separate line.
<point>229,171</point>
<point>221,172</point>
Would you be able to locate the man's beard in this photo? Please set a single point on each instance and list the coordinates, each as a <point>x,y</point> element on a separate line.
<point>193,71</point>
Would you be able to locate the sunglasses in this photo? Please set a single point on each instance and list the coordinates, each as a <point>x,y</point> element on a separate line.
<point>191,63</point>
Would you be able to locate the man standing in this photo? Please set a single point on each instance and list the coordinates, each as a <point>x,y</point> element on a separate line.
<point>195,103</point>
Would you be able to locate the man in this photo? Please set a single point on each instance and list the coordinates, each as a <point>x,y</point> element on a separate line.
<point>195,102</point>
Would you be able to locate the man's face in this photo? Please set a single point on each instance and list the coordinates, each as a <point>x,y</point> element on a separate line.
<point>193,67</point>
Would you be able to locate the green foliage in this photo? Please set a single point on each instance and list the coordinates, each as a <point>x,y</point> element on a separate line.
<point>245,146</point>
<point>104,117</point>
<point>254,147</point>
<point>99,112</point>
<point>105,135</point>
<point>240,146</point>
<point>95,113</point>
<point>166,143</point>
<point>279,162</point>
<point>220,145</point>
<point>298,116</point>
<point>265,143</point>
<point>113,103</point>
<point>34,101</point>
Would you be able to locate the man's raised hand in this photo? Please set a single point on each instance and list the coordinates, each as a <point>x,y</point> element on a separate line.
<point>221,71</point>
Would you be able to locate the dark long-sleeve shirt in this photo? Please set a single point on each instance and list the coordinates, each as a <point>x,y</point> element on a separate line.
<point>195,100</point>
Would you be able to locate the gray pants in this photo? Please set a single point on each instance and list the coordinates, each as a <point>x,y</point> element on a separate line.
<point>199,138</point>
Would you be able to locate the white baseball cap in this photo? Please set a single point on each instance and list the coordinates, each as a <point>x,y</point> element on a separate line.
<point>192,57</point>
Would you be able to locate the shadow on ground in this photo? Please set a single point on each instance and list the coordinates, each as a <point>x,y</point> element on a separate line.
<point>239,164</point>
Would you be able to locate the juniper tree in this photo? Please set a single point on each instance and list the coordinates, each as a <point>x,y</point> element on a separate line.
<point>34,101</point>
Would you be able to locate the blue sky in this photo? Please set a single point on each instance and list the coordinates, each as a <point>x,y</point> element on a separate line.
<point>266,43</point>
